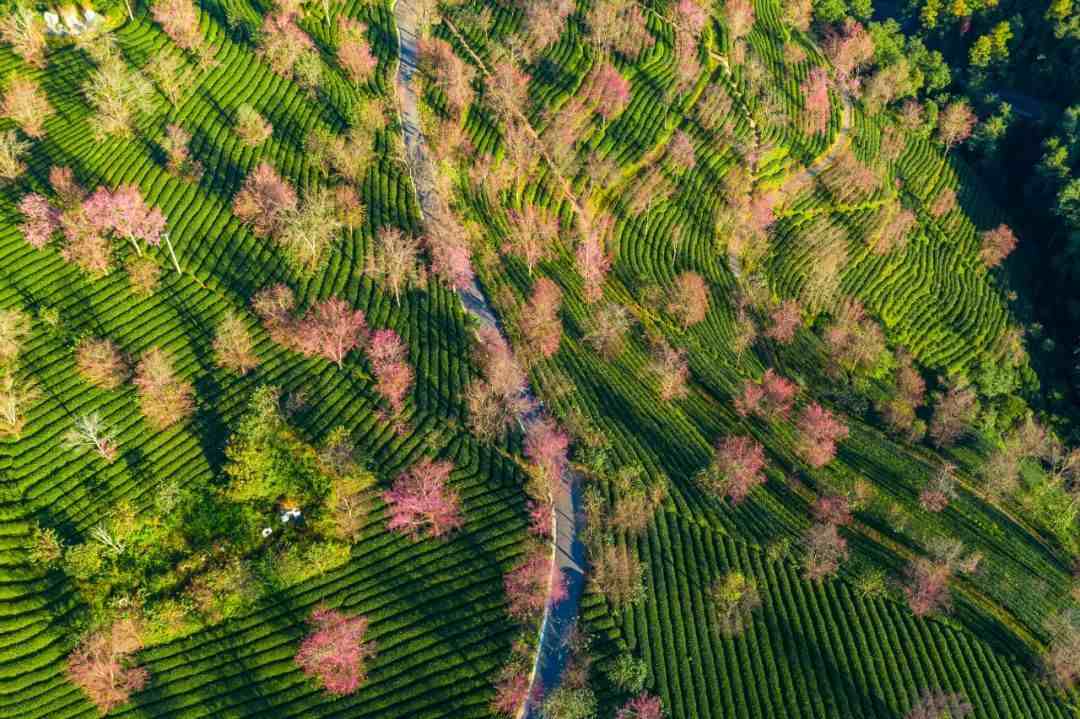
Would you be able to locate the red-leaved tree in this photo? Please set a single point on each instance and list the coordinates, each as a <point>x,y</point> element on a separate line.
<point>422,503</point>
<point>101,665</point>
<point>832,509</point>
<point>393,375</point>
<point>737,468</point>
<point>335,653</point>
<point>819,431</point>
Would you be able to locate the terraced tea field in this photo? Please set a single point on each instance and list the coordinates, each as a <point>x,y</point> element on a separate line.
<point>811,650</point>
<point>436,610</point>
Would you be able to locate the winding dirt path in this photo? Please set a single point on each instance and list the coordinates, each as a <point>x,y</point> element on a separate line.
<point>567,549</point>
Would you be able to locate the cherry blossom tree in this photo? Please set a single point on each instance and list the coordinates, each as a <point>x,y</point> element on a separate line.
<point>815,91</point>
<point>620,27</point>
<point>495,401</point>
<point>824,551</point>
<point>996,245</point>
<point>17,394</point>
<point>927,587</point>
<point>954,415</point>
<point>282,43</point>
<point>234,348</point>
<point>956,121</point>
<point>855,341</point>
<point>739,16</point>
<point>252,129</point>
<point>451,74</point>
<point>945,202</point>
<point>532,235</point>
<point>91,433</point>
<point>938,704</point>
<point>643,706</point>
<point>180,21</point>
<point>1062,656</point>
<point>819,431</point>
<point>27,105</point>
<point>849,48</point>
<point>388,361</point>
<point>737,467</point>
<point>608,91</point>
<point>41,221</point>
<point>546,446</point>
<point>354,53</point>
<point>395,260</point>
<point>616,572</point>
<point>308,232</point>
<point>529,584</point>
<point>544,23</point>
<point>786,319</point>
<point>832,509</point>
<point>265,201</point>
<point>180,163</point>
<point>670,366</point>
<point>100,362</point>
<point>734,598</point>
<point>593,264</point>
<point>940,490</point>
<point>118,94</point>
<point>14,331</point>
<point>508,90</point>
<point>125,214</point>
<point>421,502</point>
<point>164,398</point>
<point>540,321</point>
<point>335,653</point>
<point>330,329</point>
<point>144,274</point>
<point>689,301</point>
<point>680,151</point>
<point>772,398</point>
<point>607,336</point>
<point>68,192</point>
<point>101,665</point>
<point>447,243</point>
<point>24,30</point>
<point>12,151</point>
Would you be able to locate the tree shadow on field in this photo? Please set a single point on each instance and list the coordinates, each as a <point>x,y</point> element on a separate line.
<point>208,423</point>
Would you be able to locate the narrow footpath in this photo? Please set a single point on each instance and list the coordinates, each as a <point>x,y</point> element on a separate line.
<point>569,552</point>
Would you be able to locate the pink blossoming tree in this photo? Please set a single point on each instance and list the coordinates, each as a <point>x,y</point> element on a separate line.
<point>335,653</point>
<point>421,502</point>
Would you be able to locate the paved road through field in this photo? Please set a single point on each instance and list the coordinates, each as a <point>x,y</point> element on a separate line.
<point>569,551</point>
